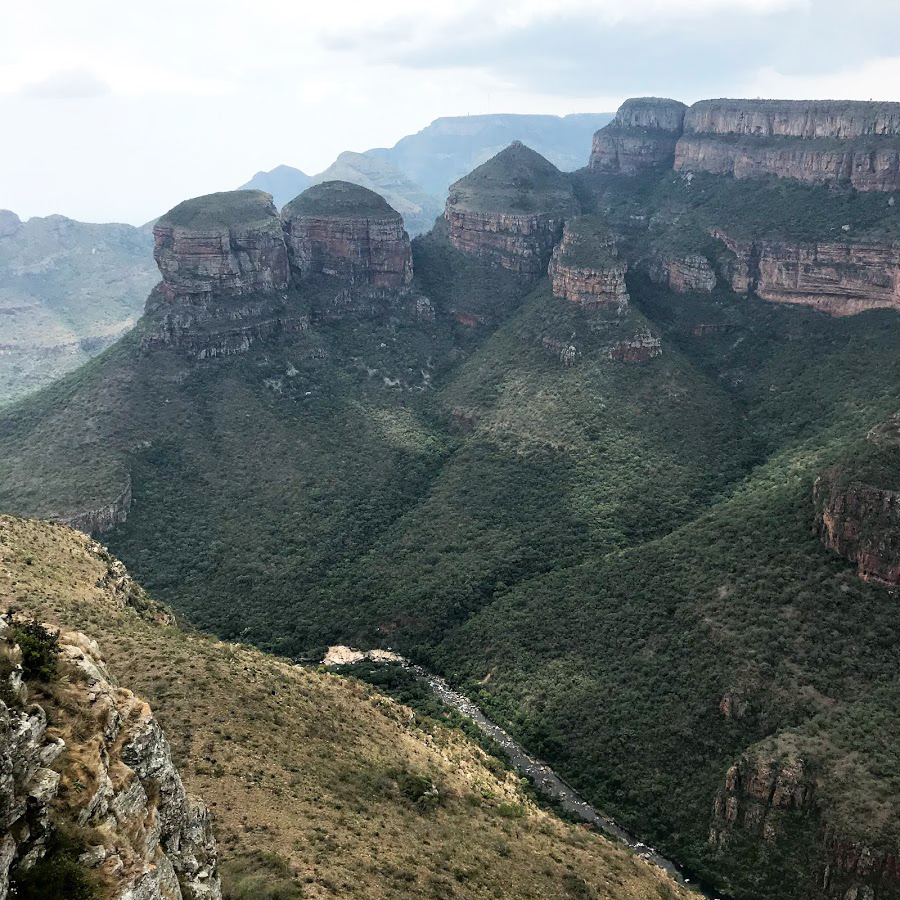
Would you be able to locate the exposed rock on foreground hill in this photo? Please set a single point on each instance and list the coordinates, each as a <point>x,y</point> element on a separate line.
<point>91,756</point>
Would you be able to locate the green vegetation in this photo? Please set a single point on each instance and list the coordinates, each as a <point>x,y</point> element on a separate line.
<point>57,875</point>
<point>40,649</point>
<point>259,876</point>
<point>517,181</point>
<point>591,243</point>
<point>339,198</point>
<point>222,210</point>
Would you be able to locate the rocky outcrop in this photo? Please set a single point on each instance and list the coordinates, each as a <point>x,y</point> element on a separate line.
<point>565,351</point>
<point>107,516</point>
<point>643,135</point>
<point>838,277</point>
<point>509,212</point>
<point>860,522</point>
<point>586,268</point>
<point>641,347</point>
<point>832,142</point>
<point>349,232</point>
<point>682,273</point>
<point>10,223</point>
<point>116,782</point>
<point>757,791</point>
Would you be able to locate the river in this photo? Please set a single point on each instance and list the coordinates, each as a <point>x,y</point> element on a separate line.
<point>545,780</point>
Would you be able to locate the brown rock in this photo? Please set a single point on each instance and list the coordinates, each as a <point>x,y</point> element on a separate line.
<point>832,142</point>
<point>643,135</point>
<point>682,273</point>
<point>642,347</point>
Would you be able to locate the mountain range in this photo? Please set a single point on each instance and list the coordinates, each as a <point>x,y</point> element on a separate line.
<point>613,451</point>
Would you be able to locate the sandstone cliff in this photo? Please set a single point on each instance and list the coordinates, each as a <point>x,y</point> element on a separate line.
<point>833,142</point>
<point>586,268</point>
<point>342,231</point>
<point>642,136</point>
<point>837,277</point>
<point>509,212</point>
<point>682,272</point>
<point>225,276</point>
<point>100,771</point>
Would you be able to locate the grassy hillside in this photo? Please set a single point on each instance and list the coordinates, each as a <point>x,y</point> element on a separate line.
<point>67,290</point>
<point>319,786</point>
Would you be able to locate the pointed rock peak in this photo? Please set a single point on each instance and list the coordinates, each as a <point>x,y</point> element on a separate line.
<point>516,180</point>
<point>340,199</point>
<point>223,210</point>
<point>10,223</point>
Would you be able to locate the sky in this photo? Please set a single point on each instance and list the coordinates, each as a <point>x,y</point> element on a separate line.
<point>116,111</point>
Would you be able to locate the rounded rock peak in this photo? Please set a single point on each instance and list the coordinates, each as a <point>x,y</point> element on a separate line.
<point>10,223</point>
<point>651,112</point>
<point>225,209</point>
<point>517,180</point>
<point>340,199</point>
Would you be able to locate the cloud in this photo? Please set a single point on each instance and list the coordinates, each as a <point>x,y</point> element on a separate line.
<point>66,84</point>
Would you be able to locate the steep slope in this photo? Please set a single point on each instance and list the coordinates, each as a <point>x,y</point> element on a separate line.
<point>67,290</point>
<point>451,146</point>
<point>418,208</point>
<point>317,784</point>
<point>282,182</point>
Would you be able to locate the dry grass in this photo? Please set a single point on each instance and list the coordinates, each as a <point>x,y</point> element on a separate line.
<point>313,768</point>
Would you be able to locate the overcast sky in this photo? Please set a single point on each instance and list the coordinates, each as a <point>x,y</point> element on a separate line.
<point>113,110</point>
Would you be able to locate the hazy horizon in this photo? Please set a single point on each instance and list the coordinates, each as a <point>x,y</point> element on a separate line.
<point>116,114</point>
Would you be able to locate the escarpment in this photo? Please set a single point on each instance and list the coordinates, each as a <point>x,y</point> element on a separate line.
<point>682,272</point>
<point>89,782</point>
<point>833,142</point>
<point>509,212</point>
<point>586,268</point>
<point>642,136</point>
<point>837,277</point>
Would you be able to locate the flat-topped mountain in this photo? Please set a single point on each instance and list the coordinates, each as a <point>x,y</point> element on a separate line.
<point>642,135</point>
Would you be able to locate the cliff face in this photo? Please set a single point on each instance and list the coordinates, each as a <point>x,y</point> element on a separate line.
<point>103,767</point>
<point>643,135</point>
<point>641,347</point>
<point>835,142</point>
<point>682,273</point>
<point>861,522</point>
<point>510,211</point>
<point>841,278</point>
<point>343,230</point>
<point>586,268</point>
<point>96,521</point>
<point>10,223</point>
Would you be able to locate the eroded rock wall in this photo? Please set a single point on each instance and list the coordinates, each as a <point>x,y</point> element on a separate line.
<point>594,283</point>
<point>642,136</point>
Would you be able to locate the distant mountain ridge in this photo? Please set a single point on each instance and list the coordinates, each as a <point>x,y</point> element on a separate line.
<point>282,182</point>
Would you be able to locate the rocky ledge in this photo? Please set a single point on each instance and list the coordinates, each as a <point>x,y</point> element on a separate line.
<point>682,272</point>
<point>833,142</point>
<point>643,135</point>
<point>101,771</point>
<point>509,212</point>
<point>838,277</point>
<point>586,268</point>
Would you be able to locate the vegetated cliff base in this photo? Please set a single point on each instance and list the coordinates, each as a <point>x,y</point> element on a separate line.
<point>510,211</point>
<point>320,786</point>
<point>89,785</point>
<point>235,272</point>
<point>642,136</point>
<point>838,277</point>
<point>834,142</point>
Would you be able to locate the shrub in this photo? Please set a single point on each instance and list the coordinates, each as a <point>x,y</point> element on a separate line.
<point>40,648</point>
<point>58,875</point>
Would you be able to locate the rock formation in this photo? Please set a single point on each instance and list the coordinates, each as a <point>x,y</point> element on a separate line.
<point>225,275</point>
<point>682,273</point>
<point>586,268</point>
<point>509,212</point>
<point>350,233</point>
<point>117,784</point>
<point>10,223</point>
<point>861,522</point>
<point>641,347</point>
<point>642,136</point>
<point>833,142</point>
<point>96,521</point>
<point>837,277</point>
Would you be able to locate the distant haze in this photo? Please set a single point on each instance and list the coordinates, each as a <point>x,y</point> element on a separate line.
<point>117,111</point>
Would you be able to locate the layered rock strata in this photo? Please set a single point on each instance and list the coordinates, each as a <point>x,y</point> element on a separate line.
<point>116,782</point>
<point>642,136</point>
<point>682,273</point>
<point>510,211</point>
<point>833,142</point>
<point>860,522</point>
<point>838,277</point>
<point>586,268</point>
<point>641,347</point>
